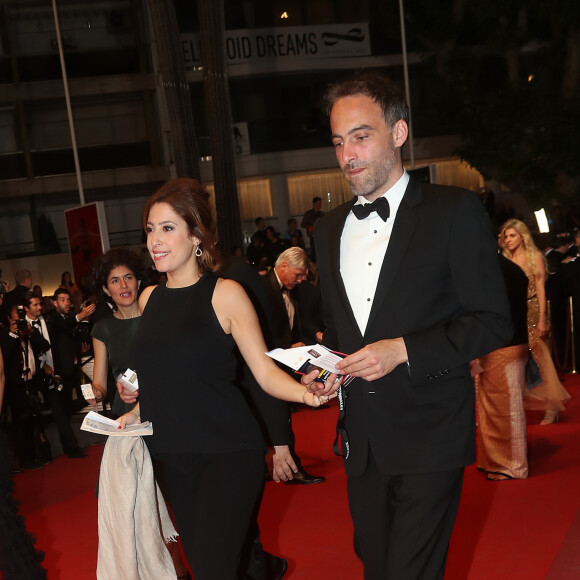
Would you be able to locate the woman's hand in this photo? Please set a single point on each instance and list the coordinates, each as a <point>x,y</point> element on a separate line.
<point>541,327</point>
<point>126,395</point>
<point>99,395</point>
<point>314,400</point>
<point>129,418</point>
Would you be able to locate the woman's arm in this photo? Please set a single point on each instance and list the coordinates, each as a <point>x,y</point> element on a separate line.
<point>100,370</point>
<point>237,316</point>
<point>541,326</point>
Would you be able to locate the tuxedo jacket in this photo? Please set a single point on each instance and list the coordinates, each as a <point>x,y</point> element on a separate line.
<point>65,346</point>
<point>12,352</point>
<point>440,289</point>
<point>280,335</point>
<point>272,414</point>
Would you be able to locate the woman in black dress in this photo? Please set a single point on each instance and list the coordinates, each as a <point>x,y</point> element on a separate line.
<point>117,277</point>
<point>205,434</point>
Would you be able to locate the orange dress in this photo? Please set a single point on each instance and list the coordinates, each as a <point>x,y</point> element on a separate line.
<point>501,419</point>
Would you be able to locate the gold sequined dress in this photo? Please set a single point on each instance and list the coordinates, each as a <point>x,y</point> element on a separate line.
<point>550,395</point>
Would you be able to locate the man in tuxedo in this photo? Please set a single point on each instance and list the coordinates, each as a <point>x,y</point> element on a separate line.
<point>53,387</point>
<point>411,292</point>
<point>63,327</point>
<point>282,330</point>
<point>21,347</point>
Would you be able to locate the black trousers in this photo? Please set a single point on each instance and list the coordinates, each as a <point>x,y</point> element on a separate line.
<point>403,523</point>
<point>62,418</point>
<point>214,497</point>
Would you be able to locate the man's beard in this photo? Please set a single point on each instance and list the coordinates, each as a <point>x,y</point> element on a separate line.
<point>374,178</point>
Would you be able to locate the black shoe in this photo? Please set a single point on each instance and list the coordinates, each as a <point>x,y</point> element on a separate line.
<point>277,568</point>
<point>32,465</point>
<point>77,454</point>
<point>303,478</point>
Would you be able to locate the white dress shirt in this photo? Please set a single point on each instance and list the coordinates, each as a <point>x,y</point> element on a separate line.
<point>363,246</point>
<point>287,301</point>
<point>46,358</point>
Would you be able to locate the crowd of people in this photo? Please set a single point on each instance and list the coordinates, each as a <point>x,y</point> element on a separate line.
<point>406,279</point>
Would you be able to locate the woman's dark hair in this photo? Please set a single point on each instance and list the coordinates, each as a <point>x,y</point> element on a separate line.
<point>112,259</point>
<point>190,201</point>
<point>62,279</point>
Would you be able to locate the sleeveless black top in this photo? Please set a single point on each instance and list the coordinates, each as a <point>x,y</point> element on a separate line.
<point>186,366</point>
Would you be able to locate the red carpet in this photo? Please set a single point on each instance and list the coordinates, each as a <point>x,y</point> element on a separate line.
<point>528,529</point>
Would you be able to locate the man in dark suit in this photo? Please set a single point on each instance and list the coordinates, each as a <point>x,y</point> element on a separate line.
<point>22,347</point>
<point>282,330</point>
<point>52,390</point>
<point>412,292</point>
<point>63,327</point>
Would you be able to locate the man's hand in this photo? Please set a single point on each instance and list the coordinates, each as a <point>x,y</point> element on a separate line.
<point>126,395</point>
<point>86,311</point>
<point>375,360</point>
<point>283,466</point>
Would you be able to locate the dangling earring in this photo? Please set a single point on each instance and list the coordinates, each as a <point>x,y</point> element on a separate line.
<point>198,251</point>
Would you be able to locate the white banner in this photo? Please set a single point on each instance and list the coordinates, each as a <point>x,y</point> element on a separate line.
<point>334,40</point>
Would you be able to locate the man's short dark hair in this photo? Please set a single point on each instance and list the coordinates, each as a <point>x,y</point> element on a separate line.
<point>376,86</point>
<point>258,220</point>
<point>60,291</point>
<point>315,199</point>
<point>28,298</point>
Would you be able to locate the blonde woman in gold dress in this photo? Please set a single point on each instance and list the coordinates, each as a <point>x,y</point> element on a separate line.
<point>517,244</point>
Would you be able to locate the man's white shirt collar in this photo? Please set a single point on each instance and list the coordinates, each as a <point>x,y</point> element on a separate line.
<point>360,269</point>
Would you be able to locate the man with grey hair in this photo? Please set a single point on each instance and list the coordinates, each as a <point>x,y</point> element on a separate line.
<point>283,331</point>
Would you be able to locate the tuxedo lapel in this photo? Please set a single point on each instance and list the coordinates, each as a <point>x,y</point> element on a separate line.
<point>403,230</point>
<point>334,251</point>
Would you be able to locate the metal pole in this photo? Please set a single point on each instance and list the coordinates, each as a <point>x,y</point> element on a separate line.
<point>68,106</point>
<point>406,74</point>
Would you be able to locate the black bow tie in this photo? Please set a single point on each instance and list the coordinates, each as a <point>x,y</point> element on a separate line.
<point>380,205</point>
<point>36,322</point>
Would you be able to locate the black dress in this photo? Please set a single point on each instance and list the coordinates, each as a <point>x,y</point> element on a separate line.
<point>205,435</point>
<point>117,335</point>
<point>19,559</point>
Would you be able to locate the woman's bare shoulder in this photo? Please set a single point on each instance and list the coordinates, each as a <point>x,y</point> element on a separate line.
<point>143,299</point>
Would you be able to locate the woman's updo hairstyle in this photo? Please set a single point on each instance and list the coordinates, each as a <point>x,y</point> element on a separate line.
<point>189,200</point>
